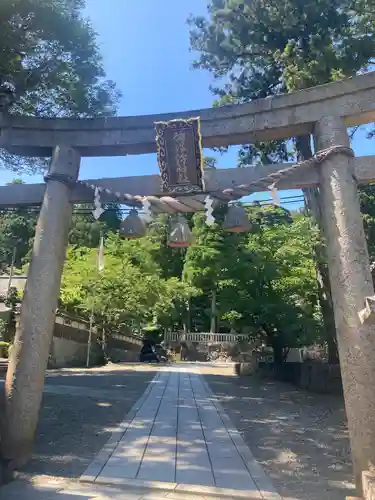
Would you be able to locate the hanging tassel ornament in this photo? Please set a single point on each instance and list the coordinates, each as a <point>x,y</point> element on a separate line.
<point>97,212</point>
<point>146,205</point>
<point>133,226</point>
<point>180,235</point>
<point>236,220</point>
<point>274,194</point>
<point>208,209</point>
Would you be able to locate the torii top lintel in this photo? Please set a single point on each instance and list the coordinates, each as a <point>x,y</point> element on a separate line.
<point>276,117</point>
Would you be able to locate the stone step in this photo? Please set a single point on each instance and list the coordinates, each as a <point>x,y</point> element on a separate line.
<point>45,489</point>
<point>170,491</point>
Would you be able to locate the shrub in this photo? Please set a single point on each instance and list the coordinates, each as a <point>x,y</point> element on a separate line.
<point>4,349</point>
<point>3,328</point>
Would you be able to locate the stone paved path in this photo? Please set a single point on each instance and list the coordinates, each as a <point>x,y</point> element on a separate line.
<point>177,439</point>
<point>176,443</point>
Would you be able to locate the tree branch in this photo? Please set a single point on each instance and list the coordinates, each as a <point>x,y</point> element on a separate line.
<point>354,130</point>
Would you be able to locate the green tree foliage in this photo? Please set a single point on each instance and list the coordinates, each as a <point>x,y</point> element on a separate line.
<point>284,282</point>
<point>170,260</point>
<point>257,49</point>
<point>209,163</point>
<point>259,43</point>
<point>85,231</point>
<point>367,199</point>
<point>51,63</point>
<point>17,229</point>
<point>129,293</point>
<point>264,282</point>
<point>210,263</point>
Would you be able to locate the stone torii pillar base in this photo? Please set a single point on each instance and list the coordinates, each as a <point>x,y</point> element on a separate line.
<point>351,283</point>
<point>29,356</point>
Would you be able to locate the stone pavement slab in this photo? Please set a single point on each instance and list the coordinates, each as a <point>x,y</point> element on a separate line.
<point>52,490</point>
<point>180,441</point>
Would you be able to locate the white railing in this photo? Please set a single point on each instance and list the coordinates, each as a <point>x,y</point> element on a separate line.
<point>206,338</point>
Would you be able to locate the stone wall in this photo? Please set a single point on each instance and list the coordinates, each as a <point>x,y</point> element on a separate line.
<point>123,349</point>
<point>5,312</point>
<point>117,355</point>
<point>69,346</point>
<point>321,377</point>
<point>69,353</point>
<point>18,282</point>
<point>314,377</point>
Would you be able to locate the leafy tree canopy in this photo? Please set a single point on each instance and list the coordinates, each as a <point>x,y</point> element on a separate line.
<point>265,280</point>
<point>261,48</point>
<point>17,229</point>
<point>51,64</point>
<point>129,293</point>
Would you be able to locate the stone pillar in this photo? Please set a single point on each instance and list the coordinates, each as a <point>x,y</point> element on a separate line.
<point>351,283</point>
<point>29,356</point>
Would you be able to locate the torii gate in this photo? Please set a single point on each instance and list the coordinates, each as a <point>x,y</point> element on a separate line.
<point>324,111</point>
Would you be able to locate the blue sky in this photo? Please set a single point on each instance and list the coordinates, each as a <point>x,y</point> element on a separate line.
<point>146,52</point>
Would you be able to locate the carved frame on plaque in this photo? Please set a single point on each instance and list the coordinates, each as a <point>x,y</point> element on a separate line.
<point>180,156</point>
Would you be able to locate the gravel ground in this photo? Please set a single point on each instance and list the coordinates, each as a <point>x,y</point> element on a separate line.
<point>300,438</point>
<point>80,409</point>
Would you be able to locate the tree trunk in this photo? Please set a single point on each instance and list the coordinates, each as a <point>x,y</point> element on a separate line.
<point>187,318</point>
<point>274,340</point>
<point>213,311</point>
<point>278,352</point>
<point>325,300</point>
<point>104,346</point>
<point>312,204</point>
<point>278,356</point>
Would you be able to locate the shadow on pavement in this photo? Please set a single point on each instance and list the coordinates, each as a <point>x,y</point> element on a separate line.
<point>301,439</point>
<point>74,425</point>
